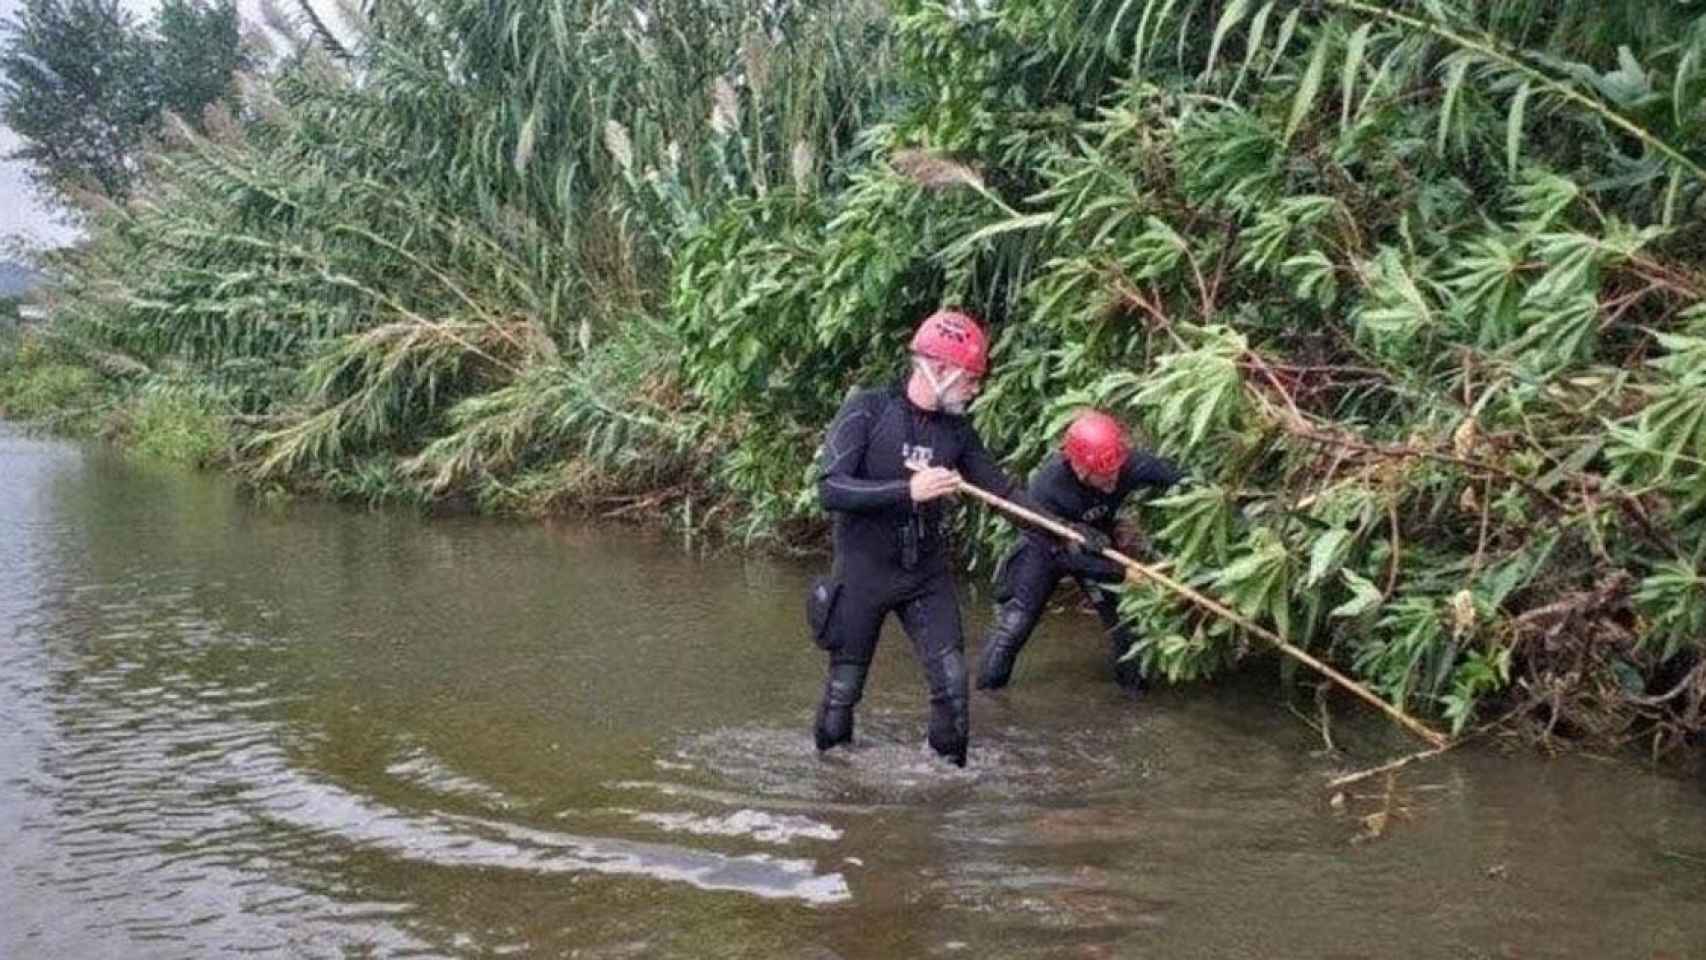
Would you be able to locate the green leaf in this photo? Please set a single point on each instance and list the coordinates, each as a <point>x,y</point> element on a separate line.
<point>1540,198</point>
<point>1288,27</point>
<point>1572,259</point>
<point>1253,43</point>
<point>1110,45</point>
<point>1513,130</point>
<point>1326,555</point>
<point>1366,596</point>
<point>1144,39</point>
<point>1379,80</point>
<point>1029,221</point>
<point>1353,64</point>
<point>1311,276</point>
<point>1199,423</point>
<point>525,142</point>
<point>1233,16</point>
<point>1684,73</point>
<point>1396,311</point>
<point>1454,77</point>
<point>1672,193</point>
<point>1308,87</point>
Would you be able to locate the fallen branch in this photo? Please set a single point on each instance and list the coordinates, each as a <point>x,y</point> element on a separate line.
<point>1405,761</point>
<point>641,502</point>
<point>1135,570</point>
<point>1389,766</point>
<point>1406,452</point>
<point>1695,677</point>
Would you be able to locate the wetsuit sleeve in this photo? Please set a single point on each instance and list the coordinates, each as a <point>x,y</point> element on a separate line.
<point>1147,470</point>
<point>839,488</point>
<point>1097,567</point>
<point>1089,566</point>
<point>1047,488</point>
<point>981,470</point>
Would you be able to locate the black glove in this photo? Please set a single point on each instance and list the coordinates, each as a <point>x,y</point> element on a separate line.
<point>1094,542</point>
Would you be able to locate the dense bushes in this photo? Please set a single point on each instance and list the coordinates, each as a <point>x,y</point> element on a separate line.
<point>1416,292</point>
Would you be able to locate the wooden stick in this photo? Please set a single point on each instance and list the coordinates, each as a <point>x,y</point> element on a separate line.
<point>1388,767</point>
<point>1134,570</point>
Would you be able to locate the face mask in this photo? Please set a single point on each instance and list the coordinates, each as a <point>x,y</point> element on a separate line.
<point>954,405</point>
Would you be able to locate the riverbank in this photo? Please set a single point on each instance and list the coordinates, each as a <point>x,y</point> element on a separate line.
<point>53,390</point>
<point>50,385</point>
<point>1430,349</point>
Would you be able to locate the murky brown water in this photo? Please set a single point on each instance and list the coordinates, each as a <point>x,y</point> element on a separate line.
<point>321,731</point>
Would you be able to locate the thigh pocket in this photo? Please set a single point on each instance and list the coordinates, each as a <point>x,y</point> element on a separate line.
<point>820,608</point>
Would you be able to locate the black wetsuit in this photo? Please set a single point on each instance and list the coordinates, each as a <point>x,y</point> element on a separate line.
<point>1036,565</point>
<point>891,554</point>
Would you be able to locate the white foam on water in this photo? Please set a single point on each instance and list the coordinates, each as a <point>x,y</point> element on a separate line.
<point>325,812</point>
<point>757,824</point>
<point>422,769</point>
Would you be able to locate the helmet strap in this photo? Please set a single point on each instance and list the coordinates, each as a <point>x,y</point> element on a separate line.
<point>939,386</point>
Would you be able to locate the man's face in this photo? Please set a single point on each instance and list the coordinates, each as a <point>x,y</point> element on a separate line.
<point>956,387</point>
<point>1105,482</point>
<point>963,390</point>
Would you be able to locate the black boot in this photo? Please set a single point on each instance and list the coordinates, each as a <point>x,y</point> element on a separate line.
<point>840,695</point>
<point>950,718</point>
<point>1002,644</point>
<point>1128,672</point>
<point>950,730</point>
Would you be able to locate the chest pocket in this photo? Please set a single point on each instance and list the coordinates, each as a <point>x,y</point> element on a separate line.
<point>916,456</point>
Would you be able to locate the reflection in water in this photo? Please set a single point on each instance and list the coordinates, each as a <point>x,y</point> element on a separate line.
<point>327,732</point>
<point>334,816</point>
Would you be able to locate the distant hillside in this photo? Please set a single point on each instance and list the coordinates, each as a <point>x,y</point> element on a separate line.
<point>16,280</point>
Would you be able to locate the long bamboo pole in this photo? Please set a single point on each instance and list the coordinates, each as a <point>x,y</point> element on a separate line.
<point>1135,570</point>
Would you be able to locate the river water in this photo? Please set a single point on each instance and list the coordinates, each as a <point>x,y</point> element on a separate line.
<point>228,728</point>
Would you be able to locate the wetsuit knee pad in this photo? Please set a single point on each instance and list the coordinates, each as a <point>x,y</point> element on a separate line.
<point>1012,619</point>
<point>846,683</point>
<point>949,676</point>
<point>841,694</point>
<point>1001,645</point>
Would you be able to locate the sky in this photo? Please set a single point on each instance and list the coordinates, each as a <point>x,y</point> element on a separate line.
<point>23,214</point>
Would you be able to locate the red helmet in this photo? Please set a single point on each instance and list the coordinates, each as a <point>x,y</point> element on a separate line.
<point>953,337</point>
<point>1095,443</point>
